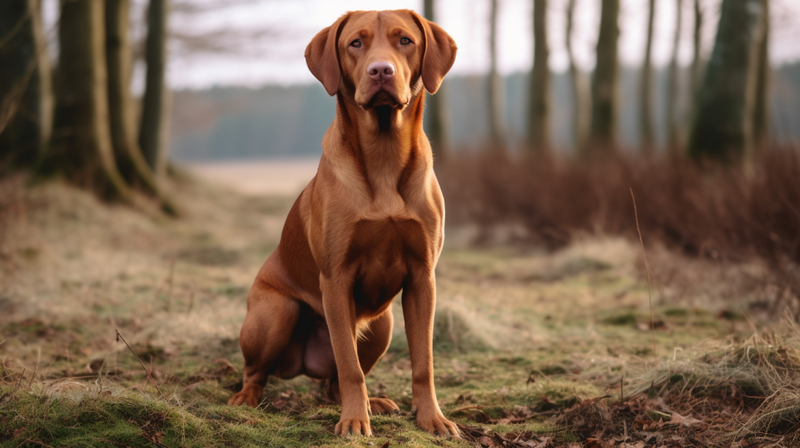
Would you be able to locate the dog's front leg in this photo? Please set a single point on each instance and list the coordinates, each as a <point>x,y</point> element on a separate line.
<point>340,314</point>
<point>419,303</point>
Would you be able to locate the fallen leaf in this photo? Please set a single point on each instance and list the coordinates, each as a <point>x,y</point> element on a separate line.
<point>678,419</point>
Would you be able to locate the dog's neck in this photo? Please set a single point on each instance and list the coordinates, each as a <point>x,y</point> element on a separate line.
<point>386,142</point>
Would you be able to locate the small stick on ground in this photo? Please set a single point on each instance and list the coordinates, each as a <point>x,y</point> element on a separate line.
<point>646,268</point>
<point>621,390</point>
<point>119,336</point>
<point>170,282</point>
<point>21,377</point>
<point>191,300</point>
<point>36,370</point>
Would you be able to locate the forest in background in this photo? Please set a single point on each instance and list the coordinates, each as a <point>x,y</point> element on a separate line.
<point>223,123</point>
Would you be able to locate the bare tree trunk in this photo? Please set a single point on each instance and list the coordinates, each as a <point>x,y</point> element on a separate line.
<point>497,127</point>
<point>437,114</point>
<point>26,98</point>
<point>152,134</point>
<point>723,123</point>
<point>580,89</point>
<point>646,89</point>
<point>673,123</point>
<point>605,84</point>
<point>81,148</point>
<point>539,100</point>
<point>697,65</point>
<point>762,94</point>
<point>129,157</point>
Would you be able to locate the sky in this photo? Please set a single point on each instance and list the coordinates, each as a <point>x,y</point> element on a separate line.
<point>286,26</point>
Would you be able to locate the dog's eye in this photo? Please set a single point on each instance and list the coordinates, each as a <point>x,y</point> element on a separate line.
<point>405,41</point>
<point>356,43</point>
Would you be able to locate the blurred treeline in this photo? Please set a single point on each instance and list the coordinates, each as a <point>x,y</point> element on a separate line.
<point>223,123</point>
<point>733,108</point>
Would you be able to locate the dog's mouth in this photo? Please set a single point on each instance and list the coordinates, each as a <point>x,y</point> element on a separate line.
<point>383,97</point>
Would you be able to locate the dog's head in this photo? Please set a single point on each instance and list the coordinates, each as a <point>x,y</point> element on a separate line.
<point>381,58</point>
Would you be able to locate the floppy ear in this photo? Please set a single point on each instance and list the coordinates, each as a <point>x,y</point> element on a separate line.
<point>438,55</point>
<point>322,56</point>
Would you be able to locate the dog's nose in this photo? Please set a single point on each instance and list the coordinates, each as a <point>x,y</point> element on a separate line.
<point>380,70</point>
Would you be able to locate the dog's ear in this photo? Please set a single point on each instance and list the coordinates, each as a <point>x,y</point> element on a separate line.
<point>438,54</point>
<point>322,56</point>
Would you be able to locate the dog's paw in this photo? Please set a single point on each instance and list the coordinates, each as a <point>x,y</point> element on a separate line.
<point>383,406</point>
<point>357,426</point>
<point>438,425</point>
<point>250,395</point>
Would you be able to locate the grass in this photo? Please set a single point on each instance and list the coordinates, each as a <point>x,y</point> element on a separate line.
<point>531,347</point>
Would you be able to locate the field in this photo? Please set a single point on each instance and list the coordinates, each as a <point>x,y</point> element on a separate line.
<point>532,348</point>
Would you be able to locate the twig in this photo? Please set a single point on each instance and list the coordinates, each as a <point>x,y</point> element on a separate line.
<point>191,300</point>
<point>119,336</point>
<point>646,268</point>
<point>621,389</point>
<point>170,283</point>
<point>21,377</point>
<point>36,370</point>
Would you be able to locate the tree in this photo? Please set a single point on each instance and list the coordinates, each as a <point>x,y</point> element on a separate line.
<point>152,134</point>
<point>605,83</point>
<point>438,118</point>
<point>646,88</point>
<point>696,41</point>
<point>673,131</point>
<point>127,153</point>
<point>722,128</point>
<point>580,88</point>
<point>497,127</point>
<point>26,101</point>
<point>539,99</point>
<point>81,149</point>
<point>762,84</point>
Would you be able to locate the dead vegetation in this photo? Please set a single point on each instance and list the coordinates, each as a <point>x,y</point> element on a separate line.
<point>718,213</point>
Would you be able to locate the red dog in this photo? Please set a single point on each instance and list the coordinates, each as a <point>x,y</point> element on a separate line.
<point>367,226</point>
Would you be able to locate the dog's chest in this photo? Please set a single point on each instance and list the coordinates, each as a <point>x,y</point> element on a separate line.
<point>381,251</point>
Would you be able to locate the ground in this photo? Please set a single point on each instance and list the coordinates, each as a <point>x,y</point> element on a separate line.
<point>532,349</point>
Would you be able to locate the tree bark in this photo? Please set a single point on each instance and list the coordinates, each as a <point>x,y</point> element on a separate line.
<point>497,125</point>
<point>605,83</point>
<point>722,129</point>
<point>26,99</point>
<point>127,153</point>
<point>646,88</point>
<point>762,94</point>
<point>539,100</point>
<point>437,115</point>
<point>152,134</point>
<point>697,65</point>
<point>81,149</point>
<point>580,89</point>
<point>673,123</point>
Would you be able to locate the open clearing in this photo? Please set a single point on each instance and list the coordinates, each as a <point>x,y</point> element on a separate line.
<point>533,349</point>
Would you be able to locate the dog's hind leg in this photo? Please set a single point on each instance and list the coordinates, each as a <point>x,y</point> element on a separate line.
<point>267,330</point>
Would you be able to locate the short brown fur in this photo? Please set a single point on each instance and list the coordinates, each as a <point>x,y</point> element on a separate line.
<point>368,225</point>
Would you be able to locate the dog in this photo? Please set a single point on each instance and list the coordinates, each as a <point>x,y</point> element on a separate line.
<point>368,225</point>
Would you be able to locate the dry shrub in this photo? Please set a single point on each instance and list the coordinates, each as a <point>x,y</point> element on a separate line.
<point>715,212</point>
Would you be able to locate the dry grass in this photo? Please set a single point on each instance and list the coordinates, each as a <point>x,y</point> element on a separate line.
<point>730,215</point>
<point>521,336</point>
<point>734,394</point>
